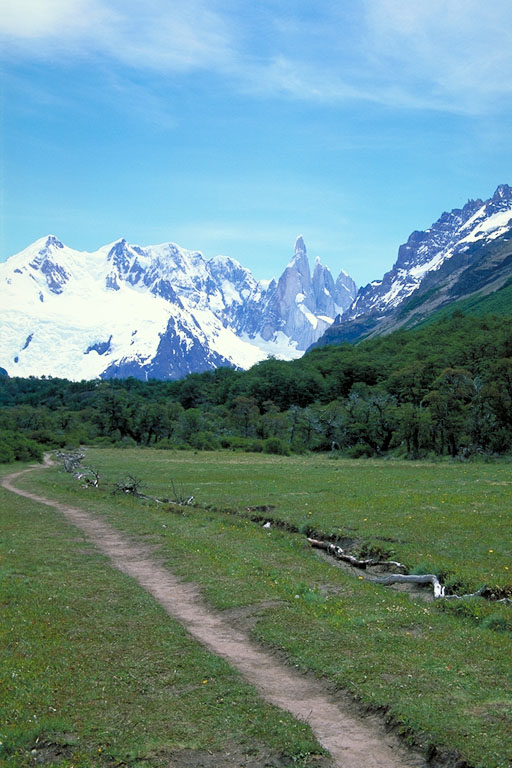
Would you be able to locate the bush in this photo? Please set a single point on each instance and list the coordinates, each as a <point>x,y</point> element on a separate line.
<point>498,622</point>
<point>298,447</point>
<point>481,612</point>
<point>47,437</point>
<point>166,443</point>
<point>360,451</point>
<point>128,442</point>
<point>247,444</point>
<point>204,441</point>
<point>6,454</point>
<point>275,445</point>
<point>14,445</point>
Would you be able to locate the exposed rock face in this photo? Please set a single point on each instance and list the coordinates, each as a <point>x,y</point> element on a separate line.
<point>300,306</point>
<point>463,252</point>
<point>156,311</point>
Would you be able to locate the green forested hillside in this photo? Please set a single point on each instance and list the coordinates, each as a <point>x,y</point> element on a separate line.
<point>497,303</point>
<point>444,388</point>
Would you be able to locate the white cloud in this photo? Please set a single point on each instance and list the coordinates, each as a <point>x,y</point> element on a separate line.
<point>152,34</point>
<point>457,53</point>
<point>429,54</point>
<point>23,21</point>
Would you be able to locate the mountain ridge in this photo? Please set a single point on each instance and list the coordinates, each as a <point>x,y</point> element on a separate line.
<point>465,251</point>
<point>159,311</point>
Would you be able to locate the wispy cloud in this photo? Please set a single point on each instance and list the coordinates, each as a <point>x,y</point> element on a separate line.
<point>176,36</point>
<point>426,54</point>
<point>27,23</point>
<point>454,53</point>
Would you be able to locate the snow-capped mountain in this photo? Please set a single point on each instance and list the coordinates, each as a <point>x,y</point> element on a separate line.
<point>463,252</point>
<point>156,311</point>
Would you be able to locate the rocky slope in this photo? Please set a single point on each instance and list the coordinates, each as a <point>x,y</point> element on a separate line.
<point>466,251</point>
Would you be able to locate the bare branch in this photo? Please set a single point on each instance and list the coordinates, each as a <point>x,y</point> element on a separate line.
<point>89,476</point>
<point>394,578</point>
<point>335,551</point>
<point>71,460</point>
<point>180,497</point>
<point>131,486</point>
<point>425,578</point>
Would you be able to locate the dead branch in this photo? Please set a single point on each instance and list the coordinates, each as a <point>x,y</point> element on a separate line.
<point>180,496</point>
<point>131,486</point>
<point>392,578</point>
<point>335,551</point>
<point>89,476</point>
<point>71,460</point>
<point>478,593</point>
<point>425,578</point>
<point>396,578</point>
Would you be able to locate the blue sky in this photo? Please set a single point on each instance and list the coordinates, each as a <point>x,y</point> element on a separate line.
<point>232,127</point>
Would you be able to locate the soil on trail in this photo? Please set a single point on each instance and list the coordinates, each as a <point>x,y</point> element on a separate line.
<point>353,740</point>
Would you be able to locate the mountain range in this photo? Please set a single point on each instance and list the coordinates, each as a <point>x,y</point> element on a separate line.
<point>465,253</point>
<point>157,311</point>
<point>163,311</point>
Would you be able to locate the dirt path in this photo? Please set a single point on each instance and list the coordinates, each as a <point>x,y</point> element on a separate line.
<point>352,740</point>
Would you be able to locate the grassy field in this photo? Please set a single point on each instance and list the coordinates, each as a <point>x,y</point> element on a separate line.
<point>444,675</point>
<point>94,673</point>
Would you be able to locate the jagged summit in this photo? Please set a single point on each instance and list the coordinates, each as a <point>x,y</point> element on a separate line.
<point>464,251</point>
<point>52,240</point>
<point>158,311</point>
<point>300,245</point>
<point>503,192</point>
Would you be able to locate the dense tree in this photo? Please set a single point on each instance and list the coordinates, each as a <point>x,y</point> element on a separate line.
<point>444,388</point>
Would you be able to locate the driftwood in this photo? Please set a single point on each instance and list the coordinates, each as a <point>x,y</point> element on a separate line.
<point>132,486</point>
<point>335,551</point>
<point>394,578</point>
<point>72,462</point>
<point>427,578</point>
<point>89,476</point>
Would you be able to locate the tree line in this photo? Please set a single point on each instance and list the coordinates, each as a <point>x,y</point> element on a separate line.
<point>444,389</point>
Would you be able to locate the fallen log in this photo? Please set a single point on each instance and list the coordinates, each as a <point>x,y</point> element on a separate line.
<point>89,476</point>
<point>335,551</point>
<point>425,578</point>
<point>71,460</point>
<point>393,578</point>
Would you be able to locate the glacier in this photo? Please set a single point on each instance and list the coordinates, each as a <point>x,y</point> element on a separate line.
<point>158,311</point>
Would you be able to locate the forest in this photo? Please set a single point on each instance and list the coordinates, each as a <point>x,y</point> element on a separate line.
<point>444,389</point>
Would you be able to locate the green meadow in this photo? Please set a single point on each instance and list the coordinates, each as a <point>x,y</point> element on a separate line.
<point>439,671</point>
<point>94,673</point>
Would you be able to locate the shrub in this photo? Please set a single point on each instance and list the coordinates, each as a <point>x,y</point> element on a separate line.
<point>247,444</point>
<point>360,451</point>
<point>14,445</point>
<point>275,445</point>
<point>47,437</point>
<point>6,454</point>
<point>204,441</point>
